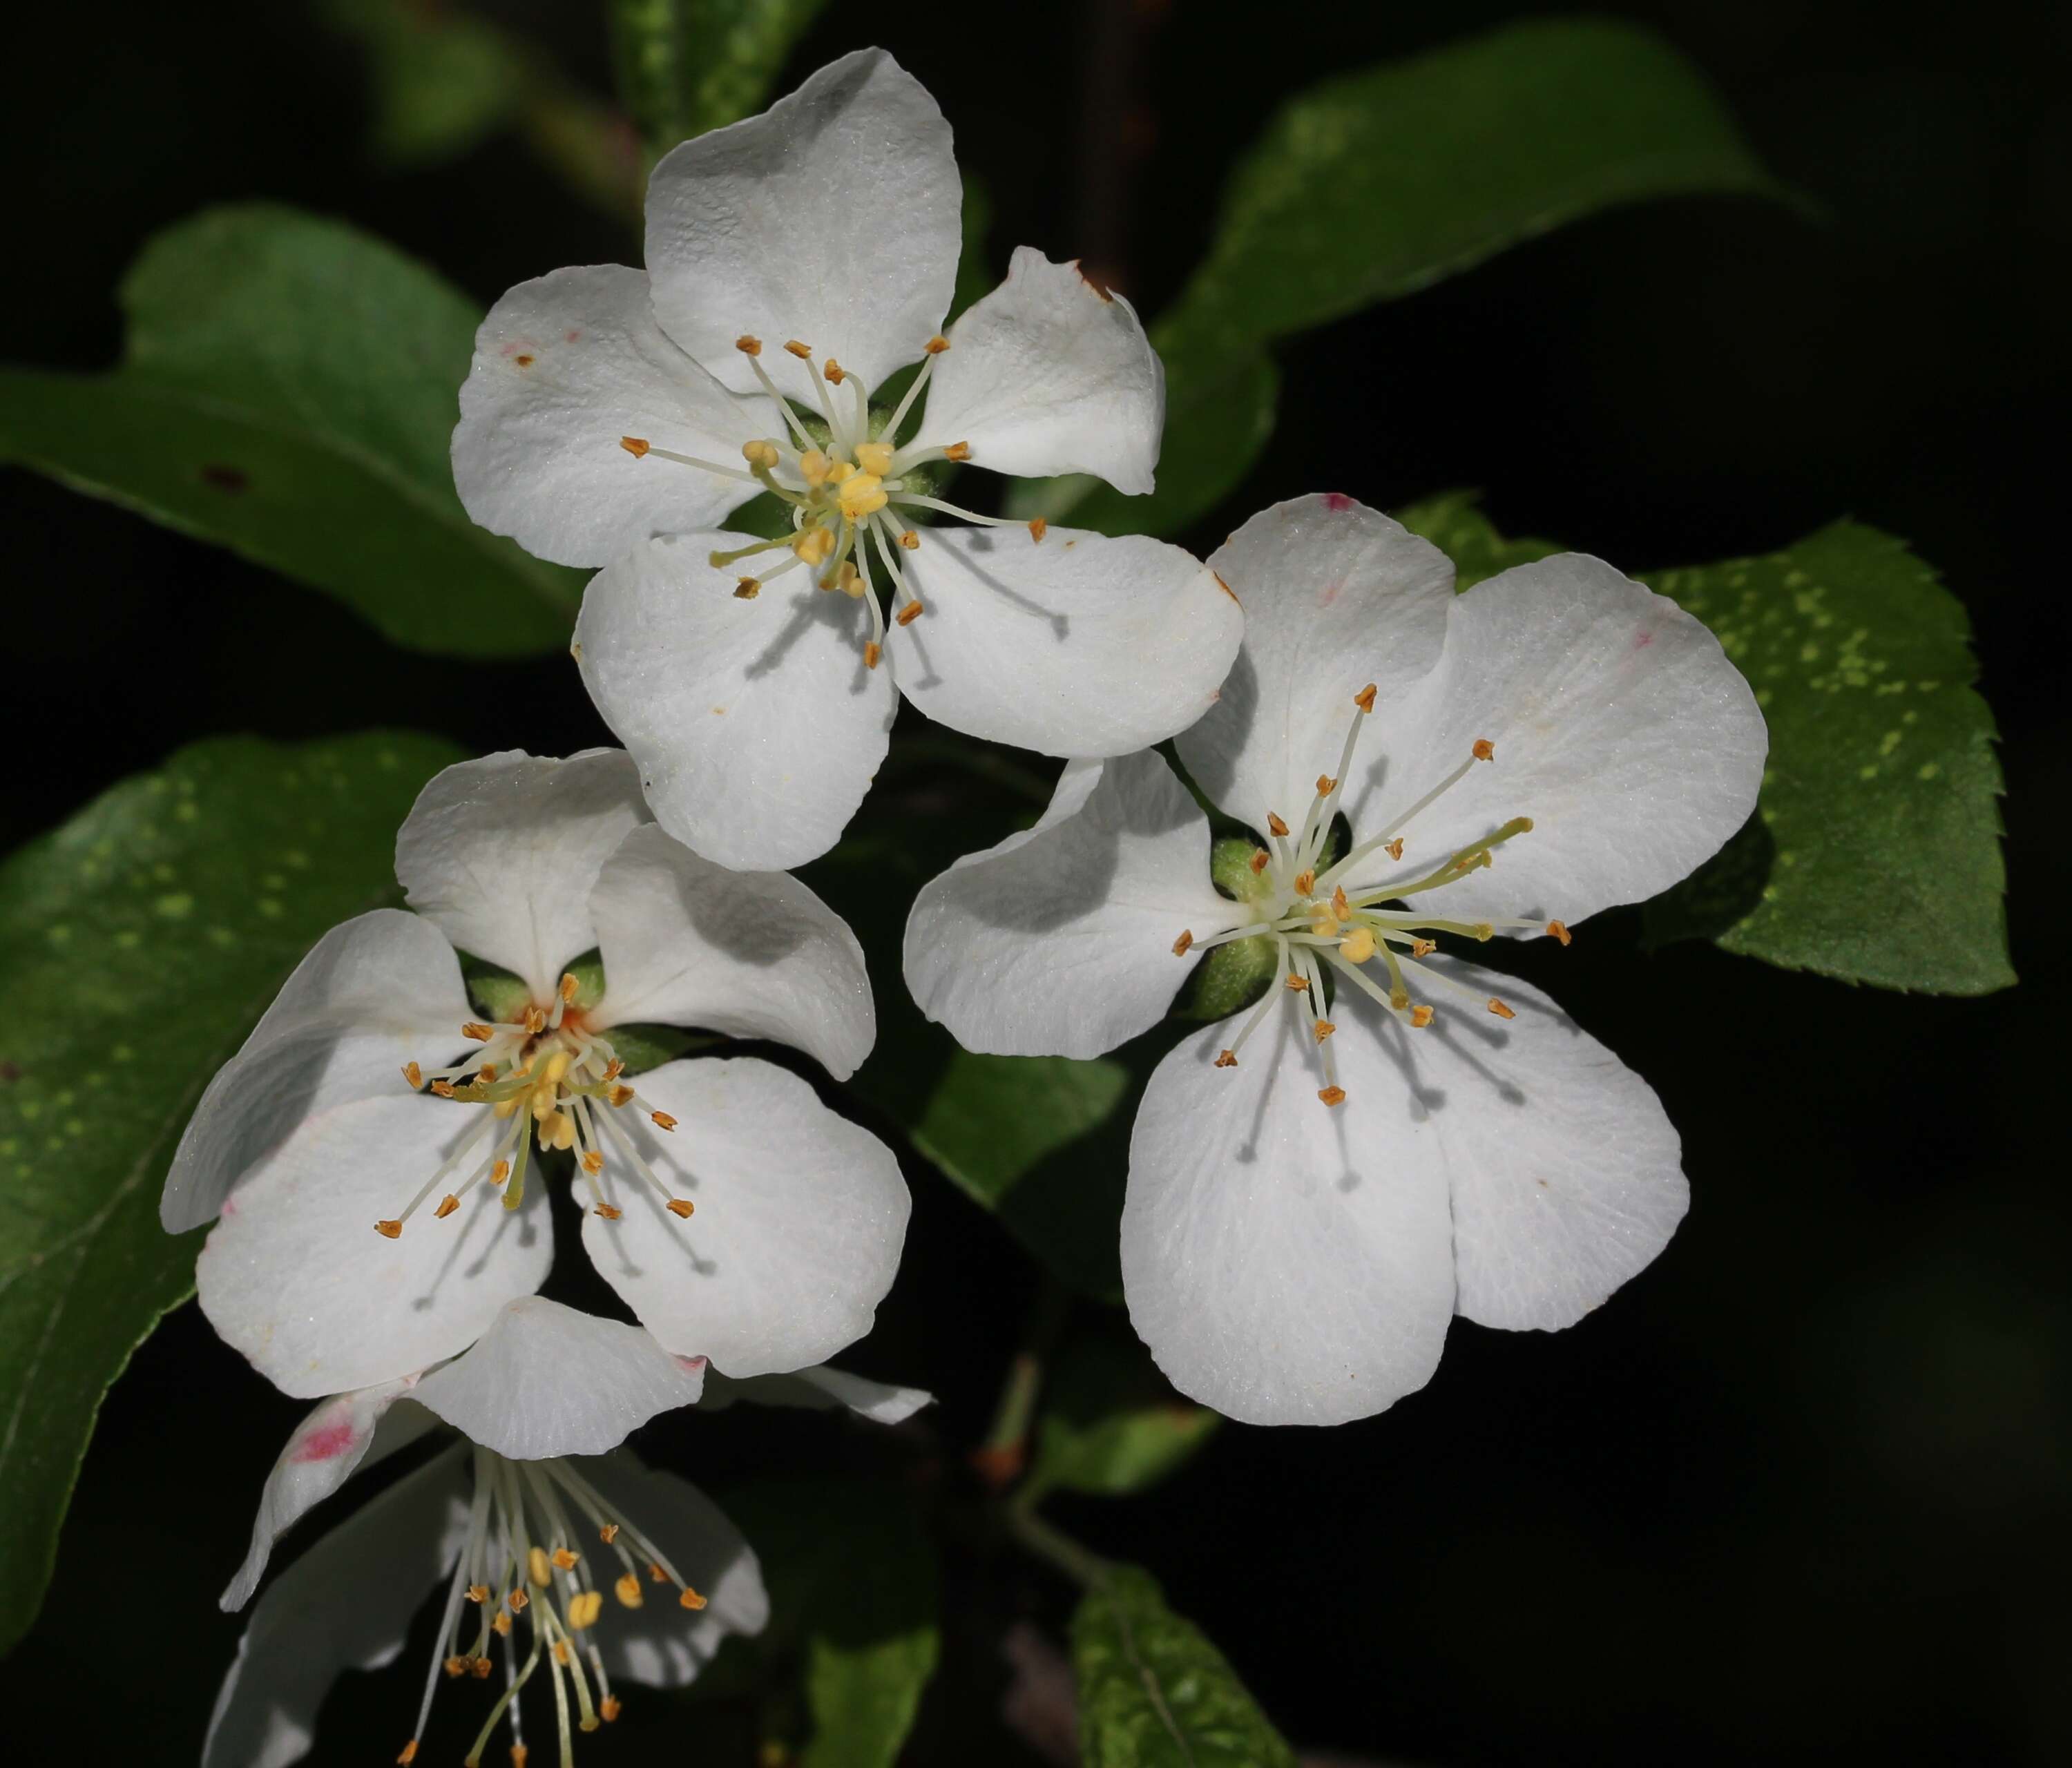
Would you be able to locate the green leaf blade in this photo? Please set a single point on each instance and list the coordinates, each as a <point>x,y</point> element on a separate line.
<point>289,391</point>
<point>139,942</point>
<point>687,66</point>
<point>1154,1692</point>
<point>1111,1425</point>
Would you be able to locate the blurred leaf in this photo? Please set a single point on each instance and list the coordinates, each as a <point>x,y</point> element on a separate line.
<point>1154,1693</point>
<point>1111,1424</point>
<point>687,66</point>
<point>852,1579</point>
<point>138,943</point>
<point>1874,853</point>
<point>289,390</point>
<point>443,80</point>
<point>1880,819</point>
<point>1377,184</point>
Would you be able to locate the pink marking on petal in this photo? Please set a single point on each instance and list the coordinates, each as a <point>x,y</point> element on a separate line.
<point>230,1207</point>
<point>1329,594</point>
<point>572,336</point>
<point>1337,500</point>
<point>692,1365</point>
<point>323,1444</point>
<point>1643,638</point>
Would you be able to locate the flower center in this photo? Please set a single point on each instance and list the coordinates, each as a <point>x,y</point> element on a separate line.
<point>1323,919</point>
<point>520,1571</point>
<point>549,1073</point>
<point>848,499</point>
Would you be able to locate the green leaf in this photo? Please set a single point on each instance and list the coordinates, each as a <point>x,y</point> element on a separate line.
<point>852,1579</point>
<point>1154,1693</point>
<point>1875,854</point>
<point>1008,1131</point>
<point>1111,1424</point>
<point>1379,183</point>
<point>138,943</point>
<point>289,391</point>
<point>443,81</point>
<point>687,66</point>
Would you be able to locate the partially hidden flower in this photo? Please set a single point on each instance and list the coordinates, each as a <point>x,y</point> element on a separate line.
<point>1389,1135</point>
<point>373,1159</point>
<point>566,1564</point>
<point>796,260</point>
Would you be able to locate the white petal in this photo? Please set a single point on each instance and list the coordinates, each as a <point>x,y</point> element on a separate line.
<point>1059,940</point>
<point>753,954</point>
<point>346,1604</point>
<point>801,1216</point>
<point>1620,728</point>
<point>566,367</point>
<point>1076,644</point>
<point>377,991</point>
<point>1563,1166</point>
<point>346,1433</point>
<point>821,1389</point>
<point>502,853</point>
<point>1288,1262</point>
<point>295,1277</point>
<point>660,1644</point>
<point>546,1379</point>
<point>833,218</point>
<point>1336,595</point>
<point>1047,375</point>
<point>756,726</point>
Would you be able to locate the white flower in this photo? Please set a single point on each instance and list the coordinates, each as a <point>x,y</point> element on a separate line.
<point>368,1229</point>
<point>1312,1197</point>
<point>572,1573</point>
<point>613,416</point>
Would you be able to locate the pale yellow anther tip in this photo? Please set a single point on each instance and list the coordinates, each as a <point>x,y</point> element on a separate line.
<point>627,1590</point>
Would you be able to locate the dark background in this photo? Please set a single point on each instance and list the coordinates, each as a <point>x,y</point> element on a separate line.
<point>1798,1493</point>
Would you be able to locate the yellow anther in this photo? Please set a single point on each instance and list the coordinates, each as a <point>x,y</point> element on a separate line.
<point>443,1088</point>
<point>1357,947</point>
<point>584,1608</point>
<point>863,494</point>
<point>1227,1058</point>
<point>907,615</point>
<point>681,1208</point>
<point>620,1094</point>
<point>1400,999</point>
<point>1260,861</point>
<point>849,581</point>
<point>957,451</point>
<point>803,352</point>
<point>1500,1009</point>
<point>517,1599</point>
<point>748,346</point>
<point>608,1533</point>
<point>1323,1028</point>
<point>501,1625</point>
<point>1484,749</point>
<point>1325,924</point>
<point>486,1072</point>
<point>690,1599</point>
<point>813,467</point>
<point>538,1568</point>
<point>499,1172</point>
<point>1299,984</point>
<point>634,445</point>
<point>1481,930</point>
<point>874,457</point>
<point>663,1119</point>
<point>627,1590</point>
<point>1181,944</point>
<point>1305,882</point>
<point>481,1034</point>
<point>388,1231</point>
<point>504,1108</point>
<point>558,1131</point>
<point>536,1020</point>
<point>1364,699</point>
<point>478,1592</point>
<point>614,1068</point>
<point>565,1560</point>
<point>1275,825</point>
<point>557,1065</point>
<point>1038,528</point>
<point>1420,1016</point>
<point>842,472</point>
<point>1394,849</point>
<point>834,372</point>
<point>759,452</point>
<point>608,1213</point>
<point>518,1753</point>
<point>409,1754</point>
<point>593,1162</point>
<point>455,1667</point>
<point>937,345</point>
<point>1558,930</point>
<point>1423,948</point>
<point>1326,785</point>
<point>609,1708</point>
<point>447,1205</point>
<point>1339,906</point>
<point>480,1667</point>
<point>909,539</point>
<point>414,1075</point>
<point>814,545</point>
<point>655,1574</point>
<point>1333,1095</point>
<point>748,590</point>
<point>873,651</point>
<point>560,1650</point>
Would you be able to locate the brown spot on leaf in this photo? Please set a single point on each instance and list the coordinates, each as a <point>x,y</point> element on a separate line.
<point>224,479</point>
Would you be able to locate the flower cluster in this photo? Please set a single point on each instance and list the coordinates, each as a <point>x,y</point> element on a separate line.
<point>1373,1135</point>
